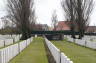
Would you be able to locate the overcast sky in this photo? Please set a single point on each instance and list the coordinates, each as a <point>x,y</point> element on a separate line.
<point>44,10</point>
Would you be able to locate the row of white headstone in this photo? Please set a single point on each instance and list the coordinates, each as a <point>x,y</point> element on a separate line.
<point>83,42</point>
<point>9,36</point>
<point>8,53</point>
<point>9,41</point>
<point>59,57</point>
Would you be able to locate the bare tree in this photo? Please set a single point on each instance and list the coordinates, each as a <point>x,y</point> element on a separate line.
<point>5,22</point>
<point>54,20</point>
<point>33,20</point>
<point>83,11</point>
<point>78,13</point>
<point>68,8</point>
<point>20,12</point>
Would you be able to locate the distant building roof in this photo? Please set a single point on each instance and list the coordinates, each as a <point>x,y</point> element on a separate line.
<point>91,29</point>
<point>63,25</point>
<point>43,27</point>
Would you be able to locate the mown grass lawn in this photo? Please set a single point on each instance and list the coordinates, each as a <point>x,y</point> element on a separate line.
<point>34,53</point>
<point>76,53</point>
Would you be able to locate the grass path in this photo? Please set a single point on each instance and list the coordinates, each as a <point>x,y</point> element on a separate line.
<point>77,54</point>
<point>34,53</point>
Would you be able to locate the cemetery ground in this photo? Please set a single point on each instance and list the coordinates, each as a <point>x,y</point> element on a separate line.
<point>34,53</point>
<point>76,53</point>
